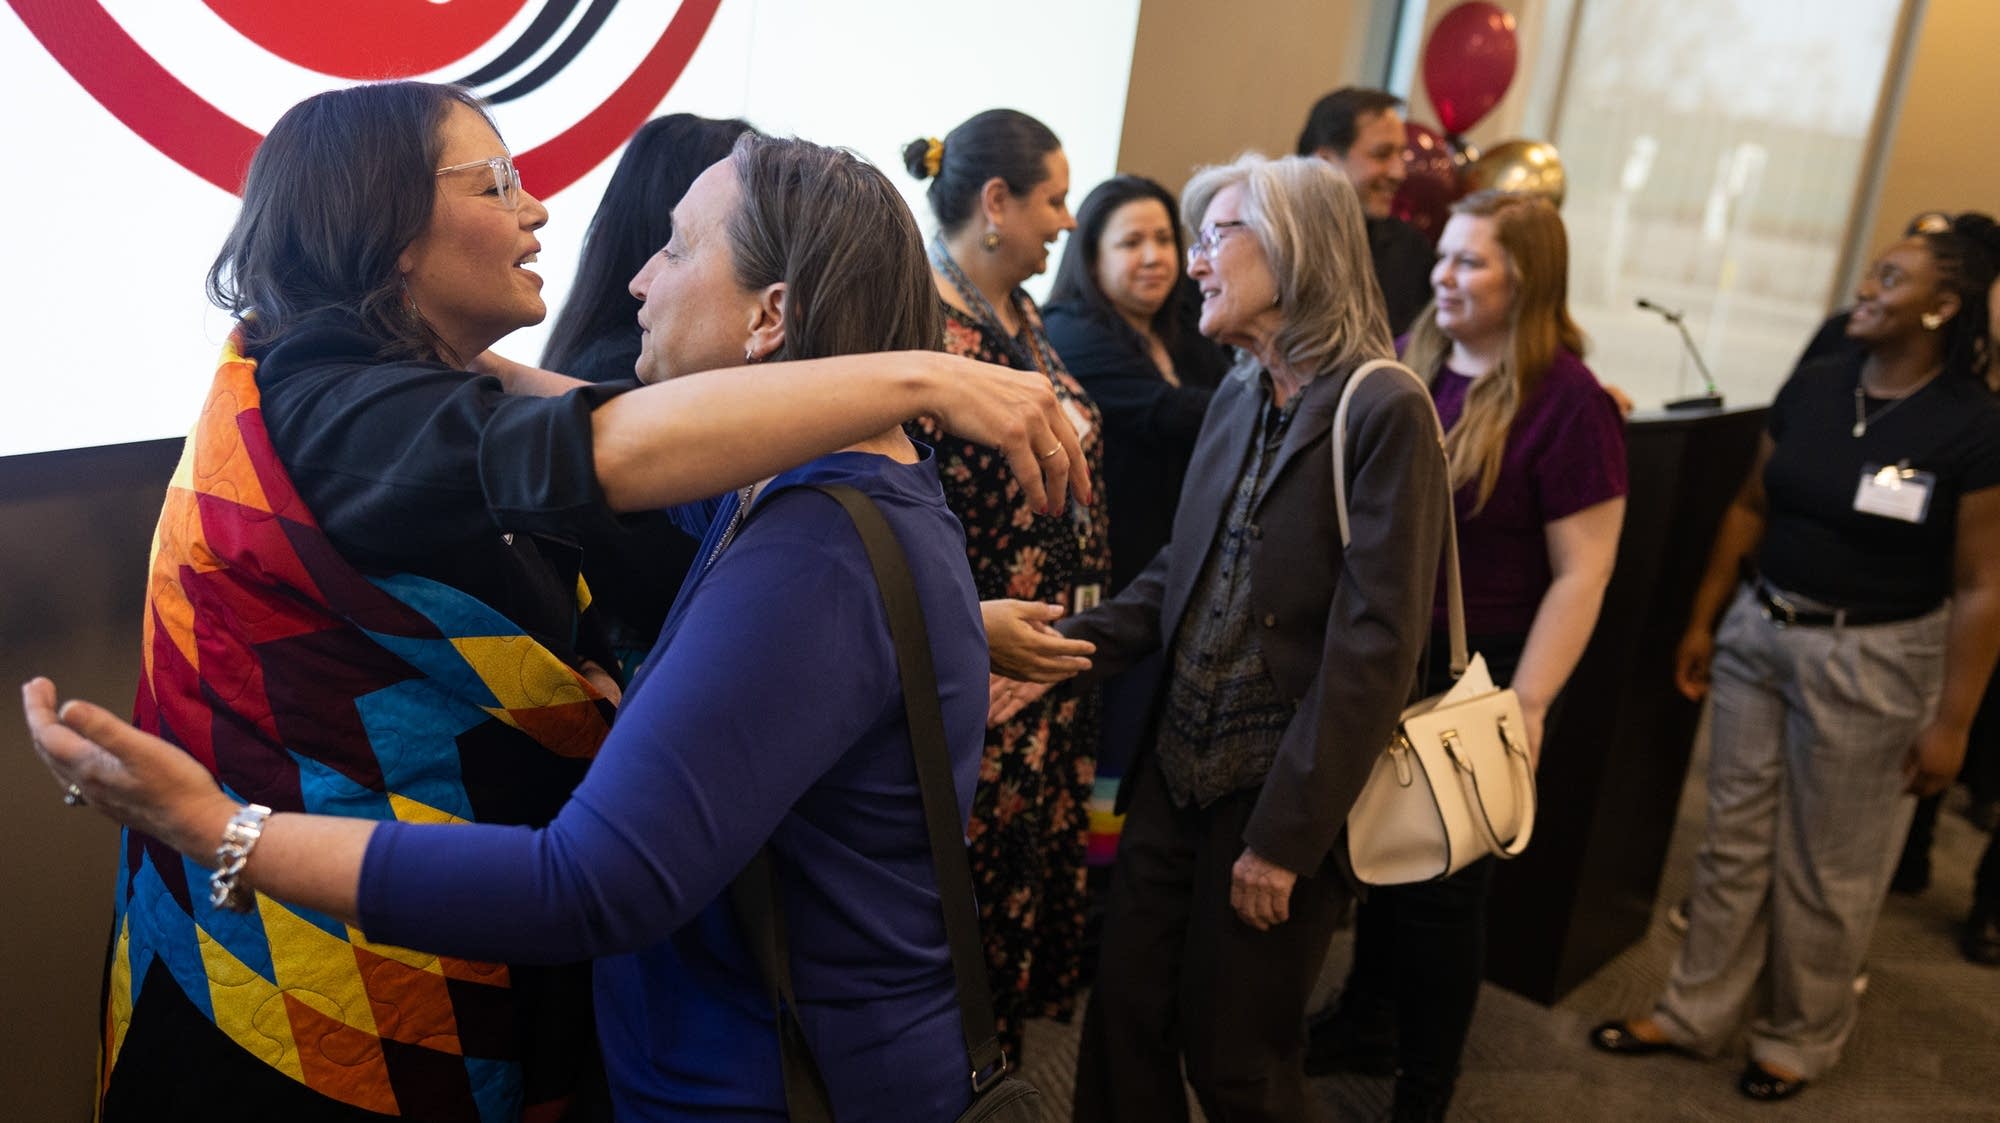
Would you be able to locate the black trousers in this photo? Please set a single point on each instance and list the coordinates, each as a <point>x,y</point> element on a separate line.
<point>1420,949</point>
<point>1419,956</point>
<point>1183,981</point>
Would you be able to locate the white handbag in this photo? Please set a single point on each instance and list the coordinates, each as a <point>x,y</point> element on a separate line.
<point>1455,783</point>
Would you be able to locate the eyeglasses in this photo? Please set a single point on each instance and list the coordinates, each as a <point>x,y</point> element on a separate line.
<point>506,181</point>
<point>1209,239</point>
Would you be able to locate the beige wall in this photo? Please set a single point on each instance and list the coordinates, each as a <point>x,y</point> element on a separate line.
<point>1205,88</point>
<point>1210,80</point>
<point>1941,154</point>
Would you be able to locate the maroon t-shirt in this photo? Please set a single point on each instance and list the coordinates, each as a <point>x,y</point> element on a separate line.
<point>1565,453</point>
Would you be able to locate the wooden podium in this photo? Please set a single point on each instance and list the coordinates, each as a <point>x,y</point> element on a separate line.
<point>1615,756</point>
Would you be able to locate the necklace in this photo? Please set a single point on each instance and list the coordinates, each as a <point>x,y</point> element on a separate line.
<point>1037,355</point>
<point>744,497</point>
<point>1862,418</point>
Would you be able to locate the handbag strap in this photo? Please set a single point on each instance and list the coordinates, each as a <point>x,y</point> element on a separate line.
<point>1454,592</point>
<point>1524,790</point>
<point>755,890</point>
<point>754,894</point>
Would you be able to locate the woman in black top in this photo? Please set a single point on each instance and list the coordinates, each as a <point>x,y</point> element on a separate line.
<point>596,336</point>
<point>1119,315</point>
<point>1116,315</point>
<point>634,570</point>
<point>1846,675</point>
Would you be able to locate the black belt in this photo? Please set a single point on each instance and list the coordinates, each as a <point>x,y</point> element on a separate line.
<point>1781,611</point>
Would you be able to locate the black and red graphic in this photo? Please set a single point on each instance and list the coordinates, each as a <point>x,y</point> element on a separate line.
<point>577,58</point>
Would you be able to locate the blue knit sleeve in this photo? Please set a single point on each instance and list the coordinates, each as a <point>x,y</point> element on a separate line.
<point>782,663</point>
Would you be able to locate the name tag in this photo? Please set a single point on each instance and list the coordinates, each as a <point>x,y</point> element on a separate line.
<point>1078,419</point>
<point>1894,491</point>
<point>1087,598</point>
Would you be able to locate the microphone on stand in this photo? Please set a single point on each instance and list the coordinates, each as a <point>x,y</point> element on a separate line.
<point>1711,398</point>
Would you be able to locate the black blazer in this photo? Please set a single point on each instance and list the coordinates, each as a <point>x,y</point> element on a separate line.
<point>1341,631</point>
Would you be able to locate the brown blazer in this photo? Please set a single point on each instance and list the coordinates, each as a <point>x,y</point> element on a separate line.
<point>1341,631</point>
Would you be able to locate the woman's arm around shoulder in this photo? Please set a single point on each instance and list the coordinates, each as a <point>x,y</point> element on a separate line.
<point>704,434</point>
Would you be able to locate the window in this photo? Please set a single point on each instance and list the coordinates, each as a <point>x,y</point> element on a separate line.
<point>1713,151</point>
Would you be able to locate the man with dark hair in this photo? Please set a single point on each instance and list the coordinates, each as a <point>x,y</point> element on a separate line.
<point>1360,131</point>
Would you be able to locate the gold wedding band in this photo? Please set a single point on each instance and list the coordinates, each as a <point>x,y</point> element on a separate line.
<point>72,796</point>
<point>1049,453</point>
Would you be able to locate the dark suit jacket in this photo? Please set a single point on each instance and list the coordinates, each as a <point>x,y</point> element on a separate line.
<point>1341,631</point>
<point>1403,258</point>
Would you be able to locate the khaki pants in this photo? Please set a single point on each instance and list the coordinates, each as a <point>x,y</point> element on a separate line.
<point>1806,817</point>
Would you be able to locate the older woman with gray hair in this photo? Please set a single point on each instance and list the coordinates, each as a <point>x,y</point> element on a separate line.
<point>1289,658</point>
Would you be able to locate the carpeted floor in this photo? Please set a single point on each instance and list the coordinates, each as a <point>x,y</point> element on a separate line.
<point>1927,1046</point>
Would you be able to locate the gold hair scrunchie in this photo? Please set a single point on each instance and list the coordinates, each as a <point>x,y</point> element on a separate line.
<point>933,157</point>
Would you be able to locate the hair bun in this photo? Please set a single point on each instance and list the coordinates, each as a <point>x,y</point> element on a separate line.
<point>1980,229</point>
<point>923,157</point>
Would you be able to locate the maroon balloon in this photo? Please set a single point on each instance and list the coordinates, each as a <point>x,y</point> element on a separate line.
<point>1424,201</point>
<point>1469,63</point>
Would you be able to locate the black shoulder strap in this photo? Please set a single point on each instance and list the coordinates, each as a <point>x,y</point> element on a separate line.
<point>754,893</point>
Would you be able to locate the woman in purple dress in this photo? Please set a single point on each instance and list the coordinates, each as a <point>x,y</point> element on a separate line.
<point>1537,457</point>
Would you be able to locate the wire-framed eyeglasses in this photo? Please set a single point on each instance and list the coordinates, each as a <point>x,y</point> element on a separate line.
<point>506,181</point>
<point>1209,239</point>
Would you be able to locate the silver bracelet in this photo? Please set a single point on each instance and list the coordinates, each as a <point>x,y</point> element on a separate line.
<point>244,829</point>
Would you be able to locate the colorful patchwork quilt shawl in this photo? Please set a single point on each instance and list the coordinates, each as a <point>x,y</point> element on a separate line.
<point>305,685</point>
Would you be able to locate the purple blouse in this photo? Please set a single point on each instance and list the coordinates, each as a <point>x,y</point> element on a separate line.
<point>1565,453</point>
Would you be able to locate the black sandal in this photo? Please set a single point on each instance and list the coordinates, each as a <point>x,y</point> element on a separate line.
<point>1760,1083</point>
<point>1617,1037</point>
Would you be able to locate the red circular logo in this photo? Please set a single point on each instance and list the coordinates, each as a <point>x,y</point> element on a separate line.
<point>368,38</point>
<point>348,39</point>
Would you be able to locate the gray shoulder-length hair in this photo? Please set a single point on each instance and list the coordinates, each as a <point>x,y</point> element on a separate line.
<point>1308,219</point>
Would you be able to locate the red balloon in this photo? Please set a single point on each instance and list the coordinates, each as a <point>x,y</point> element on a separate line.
<point>1469,63</point>
<point>1431,187</point>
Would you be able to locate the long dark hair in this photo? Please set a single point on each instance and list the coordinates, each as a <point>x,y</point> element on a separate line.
<point>1967,255</point>
<point>633,220</point>
<point>833,229</point>
<point>339,188</point>
<point>1076,278</point>
<point>999,142</point>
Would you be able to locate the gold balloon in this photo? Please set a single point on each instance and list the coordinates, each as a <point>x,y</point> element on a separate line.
<point>1528,167</point>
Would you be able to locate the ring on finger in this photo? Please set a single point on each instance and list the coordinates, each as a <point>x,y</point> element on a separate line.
<point>73,796</point>
<point>1049,453</point>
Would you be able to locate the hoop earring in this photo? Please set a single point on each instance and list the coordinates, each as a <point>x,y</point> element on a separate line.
<point>991,241</point>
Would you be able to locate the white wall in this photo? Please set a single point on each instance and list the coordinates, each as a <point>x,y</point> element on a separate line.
<point>109,238</point>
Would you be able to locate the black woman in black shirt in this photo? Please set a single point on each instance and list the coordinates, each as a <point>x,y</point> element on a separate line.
<point>1844,676</point>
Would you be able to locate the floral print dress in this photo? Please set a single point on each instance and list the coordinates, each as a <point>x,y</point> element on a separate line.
<point>1030,816</point>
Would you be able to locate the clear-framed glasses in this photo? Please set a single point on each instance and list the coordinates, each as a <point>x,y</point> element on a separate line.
<point>1209,239</point>
<point>506,181</point>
